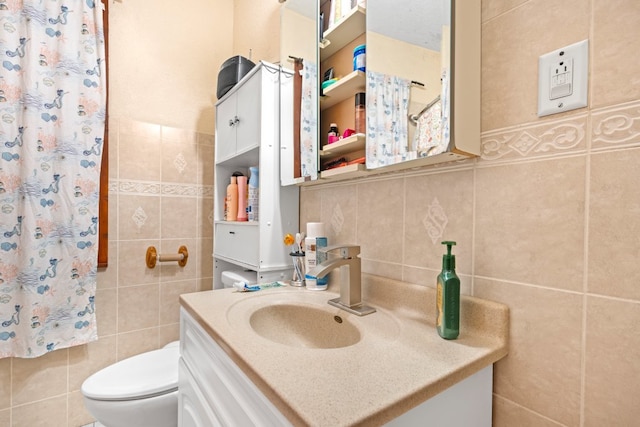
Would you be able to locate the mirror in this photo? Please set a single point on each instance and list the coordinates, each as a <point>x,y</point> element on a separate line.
<point>299,91</point>
<point>422,94</point>
<point>408,66</point>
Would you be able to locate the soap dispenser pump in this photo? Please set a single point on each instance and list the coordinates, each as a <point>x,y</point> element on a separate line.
<point>448,297</point>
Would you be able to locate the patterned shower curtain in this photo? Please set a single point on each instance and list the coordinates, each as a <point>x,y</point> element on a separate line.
<point>309,121</point>
<point>52,119</point>
<point>387,121</point>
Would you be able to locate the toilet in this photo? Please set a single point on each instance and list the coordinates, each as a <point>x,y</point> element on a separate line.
<point>140,391</point>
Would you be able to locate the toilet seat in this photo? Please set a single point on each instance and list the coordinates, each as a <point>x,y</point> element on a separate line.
<point>146,375</point>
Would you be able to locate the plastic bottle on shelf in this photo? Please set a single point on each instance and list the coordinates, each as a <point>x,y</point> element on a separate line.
<point>360,119</point>
<point>359,58</point>
<point>253,194</point>
<point>242,198</point>
<point>332,136</point>
<point>232,199</point>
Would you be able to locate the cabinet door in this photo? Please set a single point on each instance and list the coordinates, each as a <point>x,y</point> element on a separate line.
<point>226,125</point>
<point>193,410</point>
<point>248,112</point>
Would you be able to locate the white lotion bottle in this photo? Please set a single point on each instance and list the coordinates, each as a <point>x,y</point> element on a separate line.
<point>314,241</point>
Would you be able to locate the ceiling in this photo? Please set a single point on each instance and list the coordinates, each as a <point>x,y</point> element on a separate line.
<point>417,22</point>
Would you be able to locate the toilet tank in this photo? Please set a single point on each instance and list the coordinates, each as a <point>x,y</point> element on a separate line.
<point>229,277</point>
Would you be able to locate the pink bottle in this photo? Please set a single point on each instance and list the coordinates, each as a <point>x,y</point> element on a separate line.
<point>242,198</point>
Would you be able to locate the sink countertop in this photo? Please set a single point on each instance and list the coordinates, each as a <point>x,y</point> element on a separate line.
<point>400,362</point>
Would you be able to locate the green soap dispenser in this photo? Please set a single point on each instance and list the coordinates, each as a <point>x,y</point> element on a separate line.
<point>448,297</point>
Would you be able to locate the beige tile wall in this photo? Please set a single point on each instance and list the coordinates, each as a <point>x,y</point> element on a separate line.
<point>161,194</point>
<point>547,220</point>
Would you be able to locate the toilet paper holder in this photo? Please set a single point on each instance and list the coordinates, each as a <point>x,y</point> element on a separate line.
<point>154,257</point>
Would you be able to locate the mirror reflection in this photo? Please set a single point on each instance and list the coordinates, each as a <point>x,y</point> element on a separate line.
<point>370,84</point>
<point>299,90</point>
<point>408,76</point>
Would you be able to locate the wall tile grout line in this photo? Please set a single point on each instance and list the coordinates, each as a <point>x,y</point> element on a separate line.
<point>585,277</point>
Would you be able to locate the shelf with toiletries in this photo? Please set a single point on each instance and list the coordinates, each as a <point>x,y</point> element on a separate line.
<point>247,146</point>
<point>355,142</point>
<point>350,26</point>
<point>344,159</point>
<point>343,89</point>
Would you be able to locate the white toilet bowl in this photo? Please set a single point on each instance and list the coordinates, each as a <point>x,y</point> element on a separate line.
<point>140,391</point>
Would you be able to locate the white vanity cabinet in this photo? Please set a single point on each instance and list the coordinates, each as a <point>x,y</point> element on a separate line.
<point>213,390</point>
<point>248,134</point>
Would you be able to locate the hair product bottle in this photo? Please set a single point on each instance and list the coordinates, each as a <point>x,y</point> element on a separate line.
<point>242,198</point>
<point>232,199</point>
<point>361,116</point>
<point>253,201</point>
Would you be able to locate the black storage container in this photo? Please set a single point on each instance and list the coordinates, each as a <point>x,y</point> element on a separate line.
<point>231,72</point>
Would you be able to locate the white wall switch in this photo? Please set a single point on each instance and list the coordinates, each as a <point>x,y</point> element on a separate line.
<point>563,78</point>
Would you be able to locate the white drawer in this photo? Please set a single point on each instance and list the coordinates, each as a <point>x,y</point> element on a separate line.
<point>238,242</point>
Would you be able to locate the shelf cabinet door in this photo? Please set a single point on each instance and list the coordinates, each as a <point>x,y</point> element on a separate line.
<point>226,125</point>
<point>248,112</point>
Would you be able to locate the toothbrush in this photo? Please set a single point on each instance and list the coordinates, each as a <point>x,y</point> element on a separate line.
<point>299,240</point>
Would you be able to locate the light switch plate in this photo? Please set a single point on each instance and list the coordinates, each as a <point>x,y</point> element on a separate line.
<point>563,78</point>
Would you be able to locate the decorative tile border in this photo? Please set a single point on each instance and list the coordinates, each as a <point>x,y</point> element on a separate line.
<point>616,127</point>
<point>536,140</point>
<point>149,188</point>
<point>158,188</point>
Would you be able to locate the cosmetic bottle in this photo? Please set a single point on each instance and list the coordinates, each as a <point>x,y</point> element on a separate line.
<point>252,204</point>
<point>332,136</point>
<point>242,198</point>
<point>448,297</point>
<point>360,119</point>
<point>314,241</point>
<point>232,199</point>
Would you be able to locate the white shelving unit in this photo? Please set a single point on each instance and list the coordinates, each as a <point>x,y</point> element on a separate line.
<point>248,134</point>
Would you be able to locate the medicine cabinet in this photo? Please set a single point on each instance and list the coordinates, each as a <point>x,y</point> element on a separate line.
<point>422,83</point>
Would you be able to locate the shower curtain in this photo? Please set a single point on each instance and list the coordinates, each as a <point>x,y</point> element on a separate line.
<point>52,119</point>
<point>308,121</point>
<point>387,121</point>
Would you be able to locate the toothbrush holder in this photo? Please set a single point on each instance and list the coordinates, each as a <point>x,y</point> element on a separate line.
<point>298,269</point>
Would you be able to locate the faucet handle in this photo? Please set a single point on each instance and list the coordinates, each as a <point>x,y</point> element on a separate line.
<point>346,251</point>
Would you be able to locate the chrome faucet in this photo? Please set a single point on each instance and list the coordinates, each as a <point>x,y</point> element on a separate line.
<point>350,278</point>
